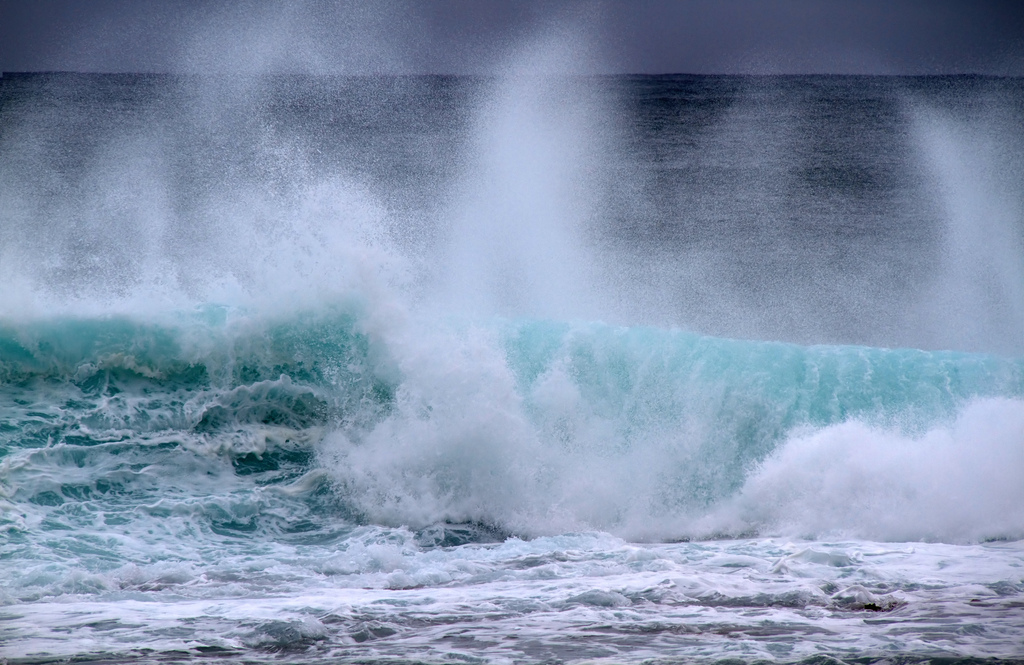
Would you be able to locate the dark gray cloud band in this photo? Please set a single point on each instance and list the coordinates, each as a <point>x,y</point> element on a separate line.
<point>472,36</point>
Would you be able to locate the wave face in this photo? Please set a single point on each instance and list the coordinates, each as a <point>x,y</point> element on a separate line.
<point>522,427</point>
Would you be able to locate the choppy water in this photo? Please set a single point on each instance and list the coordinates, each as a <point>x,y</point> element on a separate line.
<point>523,369</point>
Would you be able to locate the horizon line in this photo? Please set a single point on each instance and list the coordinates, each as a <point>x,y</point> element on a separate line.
<point>51,72</point>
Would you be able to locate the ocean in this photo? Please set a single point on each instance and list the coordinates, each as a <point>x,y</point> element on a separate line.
<point>523,368</point>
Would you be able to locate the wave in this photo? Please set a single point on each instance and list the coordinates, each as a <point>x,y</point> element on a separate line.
<point>534,427</point>
<point>544,427</point>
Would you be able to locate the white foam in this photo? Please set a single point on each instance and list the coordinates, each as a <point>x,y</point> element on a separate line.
<point>520,600</point>
<point>956,483</point>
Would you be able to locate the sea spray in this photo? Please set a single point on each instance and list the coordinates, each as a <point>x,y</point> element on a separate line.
<point>976,298</point>
<point>525,211</point>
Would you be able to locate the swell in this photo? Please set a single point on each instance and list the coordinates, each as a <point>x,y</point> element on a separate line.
<point>643,376</point>
<point>646,377</point>
<point>525,427</point>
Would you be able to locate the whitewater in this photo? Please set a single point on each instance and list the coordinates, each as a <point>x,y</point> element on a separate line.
<point>514,369</point>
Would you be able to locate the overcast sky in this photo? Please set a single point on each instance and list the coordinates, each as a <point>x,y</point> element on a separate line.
<point>474,36</point>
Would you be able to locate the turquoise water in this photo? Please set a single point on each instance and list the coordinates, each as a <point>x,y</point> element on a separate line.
<point>261,403</point>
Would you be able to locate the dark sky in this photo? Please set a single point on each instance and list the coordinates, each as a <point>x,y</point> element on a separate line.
<point>474,36</point>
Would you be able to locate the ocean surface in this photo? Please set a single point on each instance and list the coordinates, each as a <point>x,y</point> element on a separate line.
<point>511,369</point>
